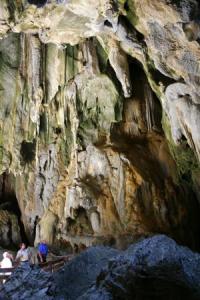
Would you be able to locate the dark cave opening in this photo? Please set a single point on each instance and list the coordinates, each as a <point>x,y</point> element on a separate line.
<point>57,130</point>
<point>43,123</point>
<point>148,107</point>
<point>9,202</point>
<point>38,3</point>
<point>107,23</point>
<point>36,221</point>
<point>27,151</point>
<point>139,79</point>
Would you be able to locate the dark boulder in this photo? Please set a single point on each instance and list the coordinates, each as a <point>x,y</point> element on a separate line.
<point>28,282</point>
<point>80,274</point>
<point>155,268</point>
<point>38,3</point>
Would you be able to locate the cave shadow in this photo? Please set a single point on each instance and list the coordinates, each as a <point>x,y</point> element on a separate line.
<point>38,3</point>
<point>9,202</point>
<point>136,148</point>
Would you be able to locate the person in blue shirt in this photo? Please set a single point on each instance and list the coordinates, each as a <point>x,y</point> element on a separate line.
<point>42,252</point>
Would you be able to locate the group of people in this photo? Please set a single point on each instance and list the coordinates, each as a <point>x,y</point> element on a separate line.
<point>24,255</point>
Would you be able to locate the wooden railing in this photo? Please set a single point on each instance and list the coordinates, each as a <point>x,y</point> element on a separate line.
<point>3,273</point>
<point>50,266</point>
<point>54,265</point>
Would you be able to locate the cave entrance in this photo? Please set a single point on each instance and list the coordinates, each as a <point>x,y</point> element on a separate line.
<point>27,152</point>
<point>9,203</point>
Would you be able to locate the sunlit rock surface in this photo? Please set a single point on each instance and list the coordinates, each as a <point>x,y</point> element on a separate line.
<point>99,119</point>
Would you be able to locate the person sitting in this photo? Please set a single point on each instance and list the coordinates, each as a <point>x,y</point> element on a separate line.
<point>42,252</point>
<point>6,263</point>
<point>23,255</point>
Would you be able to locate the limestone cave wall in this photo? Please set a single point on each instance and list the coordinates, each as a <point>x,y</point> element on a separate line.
<point>99,121</point>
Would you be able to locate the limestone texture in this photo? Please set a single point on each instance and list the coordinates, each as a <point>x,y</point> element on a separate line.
<point>99,121</point>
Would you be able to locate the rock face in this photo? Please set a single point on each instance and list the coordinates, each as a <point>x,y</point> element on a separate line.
<point>99,119</point>
<point>154,268</point>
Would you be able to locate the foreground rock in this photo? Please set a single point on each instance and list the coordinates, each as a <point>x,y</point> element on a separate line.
<point>78,276</point>
<point>154,268</point>
<point>28,283</point>
<point>71,282</point>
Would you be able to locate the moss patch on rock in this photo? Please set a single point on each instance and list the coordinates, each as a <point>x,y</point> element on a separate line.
<point>185,158</point>
<point>131,13</point>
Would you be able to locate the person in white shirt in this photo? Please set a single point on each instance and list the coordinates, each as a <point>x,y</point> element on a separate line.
<point>6,263</point>
<point>23,255</point>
